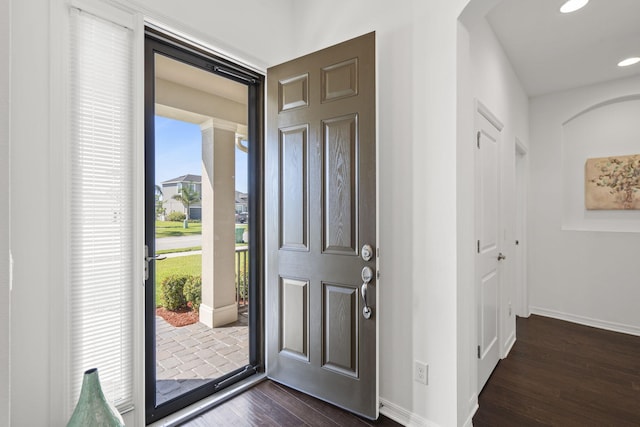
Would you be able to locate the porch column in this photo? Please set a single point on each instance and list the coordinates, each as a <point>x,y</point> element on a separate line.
<point>219,306</point>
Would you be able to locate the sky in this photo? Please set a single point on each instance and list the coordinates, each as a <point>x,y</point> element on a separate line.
<point>179,152</point>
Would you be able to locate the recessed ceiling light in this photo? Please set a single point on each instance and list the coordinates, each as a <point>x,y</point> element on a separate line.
<point>628,61</point>
<point>573,5</point>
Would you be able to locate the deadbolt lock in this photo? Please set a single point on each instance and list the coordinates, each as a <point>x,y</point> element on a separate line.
<point>367,252</point>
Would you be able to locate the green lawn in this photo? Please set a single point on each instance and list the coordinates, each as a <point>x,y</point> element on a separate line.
<point>174,228</point>
<point>191,264</point>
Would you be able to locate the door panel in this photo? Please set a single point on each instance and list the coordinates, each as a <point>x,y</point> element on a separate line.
<point>340,319</point>
<point>487,272</point>
<point>294,318</point>
<point>340,142</point>
<point>321,209</point>
<point>294,176</point>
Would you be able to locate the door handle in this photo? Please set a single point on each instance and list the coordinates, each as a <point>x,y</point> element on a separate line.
<point>367,275</point>
<point>366,310</point>
<point>148,258</point>
<point>501,256</point>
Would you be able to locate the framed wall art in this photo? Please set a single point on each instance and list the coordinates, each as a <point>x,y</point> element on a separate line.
<point>612,183</point>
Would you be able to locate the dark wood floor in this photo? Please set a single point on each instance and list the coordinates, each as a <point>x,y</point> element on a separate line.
<point>271,404</point>
<point>562,374</point>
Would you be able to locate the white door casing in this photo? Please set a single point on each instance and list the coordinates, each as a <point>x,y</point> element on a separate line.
<point>521,289</point>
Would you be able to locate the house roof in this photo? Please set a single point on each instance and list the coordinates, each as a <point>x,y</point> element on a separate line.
<point>184,178</point>
<point>241,197</point>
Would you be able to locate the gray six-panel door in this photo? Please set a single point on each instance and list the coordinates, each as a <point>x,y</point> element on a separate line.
<point>320,213</point>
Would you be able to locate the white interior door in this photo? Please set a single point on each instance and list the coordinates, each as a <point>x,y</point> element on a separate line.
<point>488,256</point>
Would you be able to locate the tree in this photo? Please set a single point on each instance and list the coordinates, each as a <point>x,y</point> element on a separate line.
<point>187,197</point>
<point>160,209</point>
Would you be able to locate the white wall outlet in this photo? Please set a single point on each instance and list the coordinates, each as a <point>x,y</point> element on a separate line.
<point>421,372</point>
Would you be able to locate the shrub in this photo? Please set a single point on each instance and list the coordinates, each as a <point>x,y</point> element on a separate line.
<point>172,289</point>
<point>193,291</point>
<point>176,216</point>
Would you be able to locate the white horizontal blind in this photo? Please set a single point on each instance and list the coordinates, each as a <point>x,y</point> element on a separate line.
<point>101,205</point>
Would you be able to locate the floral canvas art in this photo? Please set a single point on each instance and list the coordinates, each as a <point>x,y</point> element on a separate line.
<point>612,182</point>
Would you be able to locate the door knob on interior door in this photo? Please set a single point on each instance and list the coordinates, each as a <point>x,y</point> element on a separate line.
<point>501,256</point>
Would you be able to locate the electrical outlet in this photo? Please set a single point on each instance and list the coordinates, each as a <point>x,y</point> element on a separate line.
<point>421,372</point>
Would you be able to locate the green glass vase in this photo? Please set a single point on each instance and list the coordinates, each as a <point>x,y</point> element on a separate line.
<point>93,409</point>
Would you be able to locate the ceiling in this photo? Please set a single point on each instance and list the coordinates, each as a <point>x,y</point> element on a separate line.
<point>551,51</point>
<point>196,78</point>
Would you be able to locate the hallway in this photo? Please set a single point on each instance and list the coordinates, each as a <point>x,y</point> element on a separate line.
<point>563,374</point>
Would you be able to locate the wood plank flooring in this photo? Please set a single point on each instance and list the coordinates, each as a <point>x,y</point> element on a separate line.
<point>271,404</point>
<point>562,374</point>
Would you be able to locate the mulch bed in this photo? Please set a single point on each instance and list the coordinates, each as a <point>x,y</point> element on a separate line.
<point>178,318</point>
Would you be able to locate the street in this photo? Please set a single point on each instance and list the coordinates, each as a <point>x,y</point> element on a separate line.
<point>178,242</point>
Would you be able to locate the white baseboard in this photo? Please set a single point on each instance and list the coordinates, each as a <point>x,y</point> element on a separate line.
<point>587,321</point>
<point>402,416</point>
<point>469,421</point>
<point>509,344</point>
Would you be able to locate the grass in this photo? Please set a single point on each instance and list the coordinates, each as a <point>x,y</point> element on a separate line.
<point>174,228</point>
<point>190,264</point>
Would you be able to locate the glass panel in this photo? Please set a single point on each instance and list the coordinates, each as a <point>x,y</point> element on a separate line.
<point>201,228</point>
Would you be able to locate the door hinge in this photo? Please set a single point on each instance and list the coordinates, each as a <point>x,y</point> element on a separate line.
<point>478,139</point>
<point>478,247</point>
<point>478,352</point>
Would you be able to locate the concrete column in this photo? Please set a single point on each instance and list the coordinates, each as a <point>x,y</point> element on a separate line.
<point>219,305</point>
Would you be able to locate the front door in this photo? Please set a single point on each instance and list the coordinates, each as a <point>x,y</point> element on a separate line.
<point>321,307</point>
<point>488,254</point>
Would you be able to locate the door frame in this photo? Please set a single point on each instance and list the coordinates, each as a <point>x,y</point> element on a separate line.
<point>521,190</point>
<point>158,41</point>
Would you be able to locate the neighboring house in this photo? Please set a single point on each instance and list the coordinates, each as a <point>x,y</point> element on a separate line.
<point>174,186</point>
<point>242,207</point>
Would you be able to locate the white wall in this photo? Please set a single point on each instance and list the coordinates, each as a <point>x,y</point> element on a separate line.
<point>417,87</point>
<point>467,329</point>
<point>258,32</point>
<point>29,159</point>
<point>606,130</point>
<point>36,324</point>
<point>486,77</point>
<point>577,273</point>
<point>418,315</point>
<point>4,212</point>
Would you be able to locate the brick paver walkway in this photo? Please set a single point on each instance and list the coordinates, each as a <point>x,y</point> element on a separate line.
<point>192,355</point>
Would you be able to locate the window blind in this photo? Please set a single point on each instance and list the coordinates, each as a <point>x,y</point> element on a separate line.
<point>100,220</point>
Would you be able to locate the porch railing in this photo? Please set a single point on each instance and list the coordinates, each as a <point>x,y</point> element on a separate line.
<point>242,276</point>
